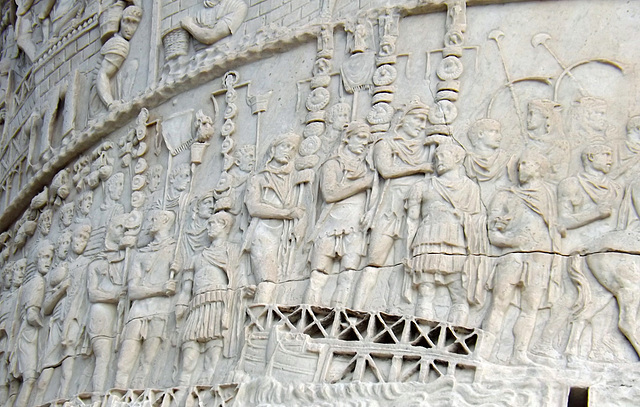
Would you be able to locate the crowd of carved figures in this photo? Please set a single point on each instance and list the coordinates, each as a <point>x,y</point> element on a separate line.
<point>121,256</point>
<point>485,225</point>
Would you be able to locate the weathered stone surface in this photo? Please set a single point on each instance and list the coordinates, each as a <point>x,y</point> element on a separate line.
<point>323,202</point>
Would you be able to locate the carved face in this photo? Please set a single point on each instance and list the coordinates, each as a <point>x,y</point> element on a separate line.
<point>115,232</point>
<point>536,118</point>
<point>205,207</point>
<point>491,136</point>
<point>19,271</point>
<point>181,180</point>
<point>64,242</point>
<point>340,117</point>
<point>445,161</point>
<point>45,221</point>
<point>216,226</point>
<point>86,203</point>
<point>284,152</point>
<point>8,276</point>
<point>527,170</point>
<point>80,240</point>
<point>595,117</point>
<point>157,221</point>
<point>128,27</point>
<point>205,128</point>
<point>246,161</point>
<point>45,258</point>
<point>115,187</point>
<point>357,142</point>
<point>66,215</point>
<point>413,124</point>
<point>602,161</point>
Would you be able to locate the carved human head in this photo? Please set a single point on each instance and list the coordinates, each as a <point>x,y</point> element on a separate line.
<point>66,213</point>
<point>115,233</point>
<point>155,177</point>
<point>115,186</point>
<point>204,126</point>
<point>633,129</point>
<point>161,221</point>
<point>246,158</point>
<point>19,271</point>
<point>63,243</point>
<point>414,118</point>
<point>131,17</point>
<point>204,205</point>
<point>485,132</point>
<point>60,185</point>
<point>44,256</point>
<point>46,219</point>
<point>86,202</point>
<point>532,165</point>
<point>7,275</point>
<point>285,147</point>
<point>449,156</point>
<point>180,177</point>
<point>540,114</point>
<point>357,136</point>
<point>339,115</point>
<point>220,224</point>
<point>598,157</point>
<point>593,113</point>
<point>80,238</point>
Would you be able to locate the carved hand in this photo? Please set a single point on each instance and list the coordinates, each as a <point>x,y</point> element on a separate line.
<point>169,288</point>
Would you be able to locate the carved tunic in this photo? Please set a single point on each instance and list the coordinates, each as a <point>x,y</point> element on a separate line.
<point>31,296</point>
<point>231,13</point>
<point>207,316</point>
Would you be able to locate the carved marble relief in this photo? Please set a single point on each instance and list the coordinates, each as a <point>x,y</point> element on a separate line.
<point>405,205</point>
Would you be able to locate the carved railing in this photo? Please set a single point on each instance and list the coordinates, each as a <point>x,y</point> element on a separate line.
<point>359,346</point>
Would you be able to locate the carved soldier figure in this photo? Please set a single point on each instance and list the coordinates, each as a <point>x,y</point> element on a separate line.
<point>25,362</point>
<point>179,180</point>
<point>204,294</point>
<point>523,224</point>
<point>401,158</point>
<point>273,200</point>
<point>445,223</point>
<point>338,116</point>
<point>9,320</point>
<point>588,205</point>
<point>545,134</point>
<point>346,180</point>
<point>112,205</point>
<point>150,289</point>
<point>104,289</point>
<point>231,190</point>
<point>219,19</point>
<point>487,162</point>
<point>115,51</point>
<point>195,237</point>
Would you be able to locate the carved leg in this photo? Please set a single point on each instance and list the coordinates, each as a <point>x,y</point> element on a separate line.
<point>150,349</point>
<point>459,312</point>
<point>102,351</point>
<point>317,282</point>
<point>129,352</point>
<point>190,355</point>
<point>25,392</point>
<point>424,305</point>
<point>67,373</point>
<point>628,304</point>
<point>366,283</point>
<point>343,290</point>
<point>42,385</point>
<point>211,358</point>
